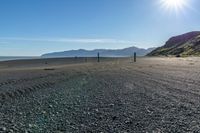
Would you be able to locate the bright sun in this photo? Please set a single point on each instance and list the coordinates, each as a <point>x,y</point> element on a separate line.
<point>176,5</point>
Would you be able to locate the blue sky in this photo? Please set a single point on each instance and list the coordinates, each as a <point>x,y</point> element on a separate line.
<point>34,27</point>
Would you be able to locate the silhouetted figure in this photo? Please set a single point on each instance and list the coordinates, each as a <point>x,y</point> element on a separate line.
<point>135,56</point>
<point>98,58</point>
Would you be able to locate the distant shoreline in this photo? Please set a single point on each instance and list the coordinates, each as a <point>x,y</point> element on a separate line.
<point>19,58</point>
<point>10,58</point>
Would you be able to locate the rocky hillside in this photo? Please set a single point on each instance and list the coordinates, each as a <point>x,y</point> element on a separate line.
<point>183,45</point>
<point>103,52</point>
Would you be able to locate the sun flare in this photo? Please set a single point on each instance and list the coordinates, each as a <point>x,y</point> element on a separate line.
<point>176,5</point>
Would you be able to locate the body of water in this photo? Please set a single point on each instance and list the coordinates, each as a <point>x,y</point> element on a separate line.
<point>7,58</point>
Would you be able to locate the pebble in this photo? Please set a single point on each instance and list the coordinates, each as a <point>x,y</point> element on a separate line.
<point>20,113</point>
<point>82,125</point>
<point>11,131</point>
<point>44,112</point>
<point>30,125</point>
<point>2,128</point>
<point>128,121</point>
<point>97,110</point>
<point>111,105</point>
<point>50,106</point>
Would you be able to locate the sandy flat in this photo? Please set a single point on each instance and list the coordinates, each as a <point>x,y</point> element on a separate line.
<point>115,95</point>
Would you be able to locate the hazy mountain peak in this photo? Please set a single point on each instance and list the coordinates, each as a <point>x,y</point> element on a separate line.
<point>103,52</point>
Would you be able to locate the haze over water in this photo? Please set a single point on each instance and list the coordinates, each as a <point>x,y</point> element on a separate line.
<point>7,58</point>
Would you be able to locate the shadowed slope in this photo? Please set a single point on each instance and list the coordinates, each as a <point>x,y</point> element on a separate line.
<point>183,45</point>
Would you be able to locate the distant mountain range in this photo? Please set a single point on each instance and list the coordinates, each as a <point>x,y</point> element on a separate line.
<point>103,52</point>
<point>183,45</point>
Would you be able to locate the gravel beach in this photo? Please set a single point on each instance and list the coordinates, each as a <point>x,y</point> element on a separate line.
<point>152,95</point>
